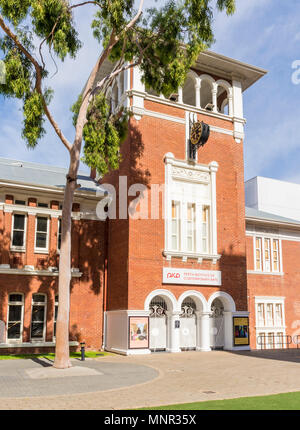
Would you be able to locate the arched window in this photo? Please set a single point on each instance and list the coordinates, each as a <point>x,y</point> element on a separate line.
<point>224,97</point>
<point>206,93</point>
<point>38,317</point>
<point>189,92</point>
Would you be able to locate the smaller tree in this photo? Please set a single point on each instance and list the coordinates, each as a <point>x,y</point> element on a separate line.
<point>164,41</point>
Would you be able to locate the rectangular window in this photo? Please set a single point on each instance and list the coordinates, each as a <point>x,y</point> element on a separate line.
<point>191,213</point>
<point>59,234</point>
<point>275,255</point>
<point>18,231</point>
<point>258,253</point>
<point>261,341</point>
<point>267,255</point>
<point>20,202</point>
<point>270,341</point>
<point>42,205</point>
<point>278,314</point>
<point>269,314</point>
<point>38,317</point>
<point>41,235</point>
<point>260,314</point>
<point>205,229</point>
<point>279,340</point>
<point>175,226</point>
<point>267,261</point>
<point>55,315</point>
<point>15,317</point>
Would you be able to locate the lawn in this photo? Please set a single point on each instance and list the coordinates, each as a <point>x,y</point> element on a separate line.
<point>286,401</point>
<point>51,355</point>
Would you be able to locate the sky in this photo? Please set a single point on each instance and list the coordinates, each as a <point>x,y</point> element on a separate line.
<point>265,33</point>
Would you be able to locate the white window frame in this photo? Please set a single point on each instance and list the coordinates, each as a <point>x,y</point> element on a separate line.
<point>13,247</point>
<point>263,260</point>
<point>193,226</point>
<point>274,327</point>
<point>22,317</point>
<point>42,339</point>
<point>58,224</point>
<point>46,249</point>
<point>54,319</point>
<point>181,172</point>
<point>178,220</point>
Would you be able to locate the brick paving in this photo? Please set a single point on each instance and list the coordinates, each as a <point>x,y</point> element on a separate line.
<point>156,379</point>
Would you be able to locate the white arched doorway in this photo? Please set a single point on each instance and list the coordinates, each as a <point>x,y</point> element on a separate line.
<point>221,306</point>
<point>193,306</point>
<point>161,304</point>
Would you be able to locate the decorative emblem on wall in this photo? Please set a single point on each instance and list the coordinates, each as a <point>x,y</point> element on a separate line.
<point>199,134</point>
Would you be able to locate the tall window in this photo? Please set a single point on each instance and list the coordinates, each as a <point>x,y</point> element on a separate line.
<point>278,313</point>
<point>15,316</point>
<point>269,321</point>
<point>59,234</point>
<point>38,317</point>
<point>275,255</point>
<point>267,255</point>
<point>205,229</point>
<point>41,235</point>
<point>175,226</point>
<point>55,315</point>
<point>260,314</point>
<point>191,215</point>
<point>258,265</point>
<point>18,231</point>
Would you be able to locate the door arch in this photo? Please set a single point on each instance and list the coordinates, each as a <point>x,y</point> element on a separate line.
<point>221,306</point>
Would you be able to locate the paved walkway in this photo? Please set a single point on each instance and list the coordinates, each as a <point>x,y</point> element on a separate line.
<point>156,379</point>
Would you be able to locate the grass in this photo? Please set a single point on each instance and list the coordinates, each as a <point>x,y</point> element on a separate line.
<point>51,355</point>
<point>286,401</point>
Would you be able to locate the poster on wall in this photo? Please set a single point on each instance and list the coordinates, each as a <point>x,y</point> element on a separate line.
<point>241,331</point>
<point>138,332</point>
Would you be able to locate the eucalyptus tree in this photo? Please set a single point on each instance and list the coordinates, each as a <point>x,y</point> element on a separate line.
<point>163,41</point>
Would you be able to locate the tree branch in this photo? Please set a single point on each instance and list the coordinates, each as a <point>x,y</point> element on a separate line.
<point>38,83</point>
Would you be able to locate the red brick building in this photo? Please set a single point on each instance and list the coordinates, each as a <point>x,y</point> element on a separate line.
<point>171,268</point>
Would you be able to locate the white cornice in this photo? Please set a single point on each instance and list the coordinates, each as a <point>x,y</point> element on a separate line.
<point>35,272</point>
<point>49,189</point>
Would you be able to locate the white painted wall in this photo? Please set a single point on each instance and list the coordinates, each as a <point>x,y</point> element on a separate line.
<point>273,196</point>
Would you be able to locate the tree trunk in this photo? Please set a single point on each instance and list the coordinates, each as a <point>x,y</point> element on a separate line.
<point>62,350</point>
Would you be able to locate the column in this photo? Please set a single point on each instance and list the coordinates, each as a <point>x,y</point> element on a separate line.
<point>214,92</point>
<point>197,89</point>
<point>173,333</point>
<point>238,114</point>
<point>180,95</point>
<point>205,331</point>
<point>213,170</point>
<point>228,330</point>
<point>7,226</point>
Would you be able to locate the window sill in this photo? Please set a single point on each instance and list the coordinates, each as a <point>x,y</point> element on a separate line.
<point>35,344</point>
<point>256,272</point>
<point>41,251</point>
<point>16,249</point>
<point>185,255</point>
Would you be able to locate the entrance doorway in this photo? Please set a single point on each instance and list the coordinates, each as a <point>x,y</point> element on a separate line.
<point>188,325</point>
<point>158,324</point>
